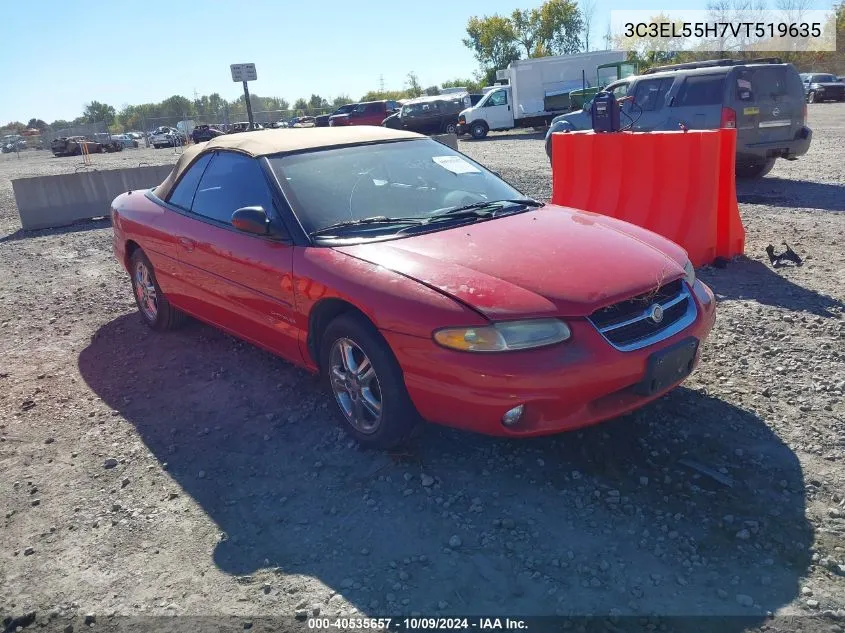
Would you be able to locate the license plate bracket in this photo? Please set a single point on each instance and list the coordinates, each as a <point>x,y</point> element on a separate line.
<point>668,366</point>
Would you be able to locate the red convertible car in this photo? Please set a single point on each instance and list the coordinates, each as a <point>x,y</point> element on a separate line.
<point>417,282</point>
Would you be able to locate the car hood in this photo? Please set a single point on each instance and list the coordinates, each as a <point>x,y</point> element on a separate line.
<point>828,84</point>
<point>578,119</point>
<point>544,262</point>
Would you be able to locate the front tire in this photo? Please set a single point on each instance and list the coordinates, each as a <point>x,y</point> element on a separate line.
<point>751,171</point>
<point>479,130</point>
<point>154,307</point>
<point>811,97</point>
<point>450,128</point>
<point>367,384</point>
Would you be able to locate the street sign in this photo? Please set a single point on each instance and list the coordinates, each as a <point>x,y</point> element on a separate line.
<point>244,72</point>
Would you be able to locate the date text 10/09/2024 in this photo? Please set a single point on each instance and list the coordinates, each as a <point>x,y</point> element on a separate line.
<point>417,624</point>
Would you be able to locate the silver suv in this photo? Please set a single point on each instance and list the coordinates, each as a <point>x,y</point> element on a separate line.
<point>763,100</point>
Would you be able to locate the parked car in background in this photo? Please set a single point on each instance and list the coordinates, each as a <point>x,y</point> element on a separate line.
<point>404,298</point>
<point>279,125</point>
<point>136,135</point>
<point>74,145</point>
<point>323,119</point>
<point>109,142</point>
<point>125,140</point>
<point>306,121</point>
<point>12,143</point>
<point>763,101</point>
<point>393,121</point>
<point>243,126</point>
<point>204,132</point>
<point>367,113</point>
<point>165,136</point>
<point>823,87</point>
<point>430,115</point>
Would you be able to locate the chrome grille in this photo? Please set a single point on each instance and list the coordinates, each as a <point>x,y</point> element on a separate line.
<point>629,325</point>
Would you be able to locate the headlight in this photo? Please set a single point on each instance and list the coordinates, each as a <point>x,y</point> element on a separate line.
<point>504,337</point>
<point>689,271</point>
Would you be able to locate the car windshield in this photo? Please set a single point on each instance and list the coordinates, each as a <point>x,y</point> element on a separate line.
<point>824,78</point>
<point>413,179</point>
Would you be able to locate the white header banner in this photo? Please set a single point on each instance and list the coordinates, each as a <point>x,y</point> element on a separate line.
<point>723,30</point>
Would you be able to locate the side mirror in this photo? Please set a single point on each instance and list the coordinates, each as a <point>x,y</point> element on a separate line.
<point>251,220</point>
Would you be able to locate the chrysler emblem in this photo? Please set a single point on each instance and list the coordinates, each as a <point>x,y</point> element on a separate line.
<point>775,111</point>
<point>655,313</point>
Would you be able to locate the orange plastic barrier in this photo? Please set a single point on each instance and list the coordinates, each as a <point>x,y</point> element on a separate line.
<point>678,184</point>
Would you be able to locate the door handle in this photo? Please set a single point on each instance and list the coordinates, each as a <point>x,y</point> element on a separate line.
<point>187,244</point>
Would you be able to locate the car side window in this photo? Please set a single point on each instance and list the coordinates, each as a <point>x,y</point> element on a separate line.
<point>698,90</point>
<point>230,182</point>
<point>498,98</point>
<point>650,94</point>
<point>373,108</point>
<point>619,91</point>
<point>182,195</point>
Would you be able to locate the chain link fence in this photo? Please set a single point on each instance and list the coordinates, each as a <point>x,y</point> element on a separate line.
<point>12,141</point>
<point>223,118</point>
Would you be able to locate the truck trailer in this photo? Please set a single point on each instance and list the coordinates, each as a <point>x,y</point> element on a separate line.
<point>536,91</point>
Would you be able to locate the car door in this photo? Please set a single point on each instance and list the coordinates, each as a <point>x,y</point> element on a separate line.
<point>497,111</point>
<point>647,110</point>
<point>429,120</point>
<point>696,102</point>
<point>238,281</point>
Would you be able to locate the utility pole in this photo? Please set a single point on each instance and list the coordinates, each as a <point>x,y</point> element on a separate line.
<point>245,73</point>
<point>248,107</point>
<point>381,83</point>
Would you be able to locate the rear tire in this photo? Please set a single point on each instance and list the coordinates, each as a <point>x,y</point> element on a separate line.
<point>154,307</point>
<point>751,171</point>
<point>479,130</point>
<point>366,381</point>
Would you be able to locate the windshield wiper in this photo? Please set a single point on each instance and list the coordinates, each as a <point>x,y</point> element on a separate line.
<point>484,204</point>
<point>376,219</point>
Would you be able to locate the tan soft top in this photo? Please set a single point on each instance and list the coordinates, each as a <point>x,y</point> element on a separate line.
<point>281,141</point>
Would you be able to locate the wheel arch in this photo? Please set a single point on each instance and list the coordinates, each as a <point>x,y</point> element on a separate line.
<point>324,312</point>
<point>129,250</point>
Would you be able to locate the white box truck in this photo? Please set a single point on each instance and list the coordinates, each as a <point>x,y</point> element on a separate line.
<point>537,90</point>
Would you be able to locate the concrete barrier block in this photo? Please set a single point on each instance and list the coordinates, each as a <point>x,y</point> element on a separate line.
<point>52,201</point>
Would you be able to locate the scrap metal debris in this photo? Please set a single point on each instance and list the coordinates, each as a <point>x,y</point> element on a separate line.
<point>787,255</point>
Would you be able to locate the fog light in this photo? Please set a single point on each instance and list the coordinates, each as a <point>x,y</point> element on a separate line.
<point>513,416</point>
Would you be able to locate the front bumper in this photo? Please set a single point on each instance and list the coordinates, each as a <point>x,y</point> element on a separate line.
<point>563,387</point>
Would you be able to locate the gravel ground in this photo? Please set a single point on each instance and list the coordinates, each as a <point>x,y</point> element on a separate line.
<point>193,474</point>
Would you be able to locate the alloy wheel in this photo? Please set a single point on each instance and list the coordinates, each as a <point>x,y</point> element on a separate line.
<point>355,385</point>
<point>145,290</point>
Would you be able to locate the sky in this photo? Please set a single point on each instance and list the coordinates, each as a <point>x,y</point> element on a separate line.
<point>128,52</point>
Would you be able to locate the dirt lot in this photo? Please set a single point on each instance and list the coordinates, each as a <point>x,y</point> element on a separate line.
<point>192,474</point>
